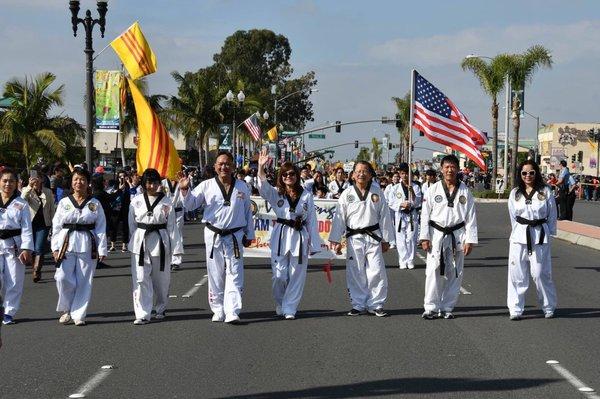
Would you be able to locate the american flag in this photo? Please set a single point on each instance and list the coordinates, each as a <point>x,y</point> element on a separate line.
<point>442,122</point>
<point>252,125</point>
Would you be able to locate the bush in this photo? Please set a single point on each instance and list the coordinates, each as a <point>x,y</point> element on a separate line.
<point>491,194</point>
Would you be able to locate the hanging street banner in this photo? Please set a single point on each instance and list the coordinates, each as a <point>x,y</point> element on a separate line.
<point>107,94</point>
<point>225,137</point>
<point>264,221</point>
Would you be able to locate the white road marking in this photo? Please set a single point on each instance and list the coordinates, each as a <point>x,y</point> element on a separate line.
<point>172,296</point>
<point>196,287</point>
<point>463,290</point>
<point>93,382</point>
<point>573,380</point>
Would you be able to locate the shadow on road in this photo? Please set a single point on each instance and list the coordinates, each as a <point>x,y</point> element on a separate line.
<point>407,386</point>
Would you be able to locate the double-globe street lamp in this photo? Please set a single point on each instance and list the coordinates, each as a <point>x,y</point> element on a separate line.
<point>241,97</point>
<point>88,23</point>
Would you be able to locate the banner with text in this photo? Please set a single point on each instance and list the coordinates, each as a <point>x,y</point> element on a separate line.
<point>107,95</point>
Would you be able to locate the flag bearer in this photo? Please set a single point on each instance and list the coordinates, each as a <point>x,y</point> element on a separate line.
<point>171,190</point>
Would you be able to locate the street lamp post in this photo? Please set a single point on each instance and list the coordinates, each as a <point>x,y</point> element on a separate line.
<point>536,149</point>
<point>88,23</point>
<point>230,97</point>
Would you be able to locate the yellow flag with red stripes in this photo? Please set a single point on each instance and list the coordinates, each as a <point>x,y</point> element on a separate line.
<point>272,133</point>
<point>155,148</point>
<point>135,52</point>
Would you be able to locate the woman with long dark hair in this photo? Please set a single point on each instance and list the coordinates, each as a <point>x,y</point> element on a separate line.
<point>294,237</point>
<point>532,210</point>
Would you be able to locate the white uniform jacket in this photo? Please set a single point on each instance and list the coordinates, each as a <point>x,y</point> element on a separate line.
<point>436,208</point>
<point>397,196</point>
<point>174,194</point>
<point>425,188</point>
<point>541,205</point>
<point>221,212</point>
<point>15,215</point>
<point>68,212</point>
<point>162,213</point>
<point>335,189</point>
<point>285,238</point>
<point>356,212</point>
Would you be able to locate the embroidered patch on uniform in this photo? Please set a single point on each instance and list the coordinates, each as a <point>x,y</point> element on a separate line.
<point>166,209</point>
<point>280,203</point>
<point>2,210</point>
<point>438,198</point>
<point>375,198</point>
<point>67,207</point>
<point>351,198</point>
<point>518,196</point>
<point>541,196</point>
<point>254,207</point>
<point>92,207</point>
<point>398,195</point>
<point>462,199</point>
<point>18,206</point>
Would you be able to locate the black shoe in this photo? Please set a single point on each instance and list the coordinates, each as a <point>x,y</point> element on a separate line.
<point>355,312</point>
<point>447,315</point>
<point>379,312</point>
<point>428,315</point>
<point>175,267</point>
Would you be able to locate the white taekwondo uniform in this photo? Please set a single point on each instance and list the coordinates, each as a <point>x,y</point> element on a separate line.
<point>365,220</point>
<point>533,220</point>
<point>15,235</point>
<point>336,189</point>
<point>228,218</point>
<point>444,271</point>
<point>294,236</point>
<point>79,234</point>
<point>172,192</point>
<point>406,222</point>
<point>154,238</point>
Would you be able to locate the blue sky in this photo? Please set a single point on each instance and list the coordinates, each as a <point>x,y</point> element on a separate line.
<point>362,52</point>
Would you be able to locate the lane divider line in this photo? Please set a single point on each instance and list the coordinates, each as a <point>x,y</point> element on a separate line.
<point>573,380</point>
<point>196,287</point>
<point>463,290</point>
<point>93,382</point>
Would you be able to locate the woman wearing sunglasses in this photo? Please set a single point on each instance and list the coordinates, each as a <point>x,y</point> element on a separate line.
<point>294,236</point>
<point>532,210</point>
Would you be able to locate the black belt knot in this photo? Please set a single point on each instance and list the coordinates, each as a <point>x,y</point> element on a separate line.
<point>410,219</point>
<point>5,234</point>
<point>364,230</point>
<point>448,231</point>
<point>149,228</point>
<point>71,227</point>
<point>530,225</point>
<point>296,224</point>
<point>223,233</point>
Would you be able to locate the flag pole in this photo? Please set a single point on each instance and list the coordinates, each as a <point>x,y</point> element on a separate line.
<point>410,128</point>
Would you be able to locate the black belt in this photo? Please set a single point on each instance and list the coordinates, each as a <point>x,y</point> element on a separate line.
<point>448,231</point>
<point>296,224</point>
<point>149,229</point>
<point>410,218</point>
<point>5,234</point>
<point>178,209</point>
<point>364,230</point>
<point>223,233</point>
<point>76,227</point>
<point>530,224</point>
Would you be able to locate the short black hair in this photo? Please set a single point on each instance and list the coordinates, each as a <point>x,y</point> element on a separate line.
<point>403,167</point>
<point>82,172</point>
<point>430,172</point>
<point>451,158</point>
<point>150,175</point>
<point>9,171</point>
<point>226,153</point>
<point>563,163</point>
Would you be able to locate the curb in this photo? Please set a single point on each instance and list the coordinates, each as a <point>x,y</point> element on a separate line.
<point>579,239</point>
<point>490,201</point>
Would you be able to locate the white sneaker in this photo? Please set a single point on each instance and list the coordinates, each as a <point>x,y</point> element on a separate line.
<point>278,310</point>
<point>233,319</point>
<point>411,265</point>
<point>290,317</point>
<point>218,317</point>
<point>80,323</point>
<point>139,322</point>
<point>65,318</point>
<point>549,315</point>
<point>402,266</point>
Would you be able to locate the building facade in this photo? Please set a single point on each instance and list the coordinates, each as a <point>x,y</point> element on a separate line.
<point>568,141</point>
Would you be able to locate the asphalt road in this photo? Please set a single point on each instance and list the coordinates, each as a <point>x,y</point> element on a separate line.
<point>323,353</point>
<point>587,212</point>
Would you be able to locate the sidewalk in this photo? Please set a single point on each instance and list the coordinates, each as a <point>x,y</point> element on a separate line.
<point>579,233</point>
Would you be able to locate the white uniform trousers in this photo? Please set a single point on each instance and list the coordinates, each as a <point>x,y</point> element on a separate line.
<point>366,277</point>
<point>176,259</point>
<point>441,291</point>
<point>150,286</point>
<point>288,282</point>
<point>12,272</point>
<point>225,279</point>
<point>520,265</point>
<point>74,283</point>
<point>406,241</point>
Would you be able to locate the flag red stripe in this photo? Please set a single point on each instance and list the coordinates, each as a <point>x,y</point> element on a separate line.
<point>441,128</point>
<point>432,130</point>
<point>159,131</point>
<point>436,139</point>
<point>152,145</point>
<point>459,128</point>
<point>134,52</point>
<point>141,54</point>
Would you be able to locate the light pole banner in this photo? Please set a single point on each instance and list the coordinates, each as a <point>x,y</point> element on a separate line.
<point>107,92</point>
<point>225,137</point>
<point>264,220</point>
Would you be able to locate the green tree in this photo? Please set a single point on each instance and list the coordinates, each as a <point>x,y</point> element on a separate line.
<point>521,68</point>
<point>27,127</point>
<point>403,124</point>
<point>491,78</point>
<point>376,150</point>
<point>363,155</point>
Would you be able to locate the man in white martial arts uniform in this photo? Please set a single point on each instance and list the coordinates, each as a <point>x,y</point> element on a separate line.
<point>448,232</point>
<point>362,214</point>
<point>229,223</point>
<point>171,190</point>
<point>405,204</point>
<point>16,243</point>
<point>154,238</point>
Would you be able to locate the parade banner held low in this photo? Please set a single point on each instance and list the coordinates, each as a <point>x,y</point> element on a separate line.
<point>107,97</point>
<point>264,221</point>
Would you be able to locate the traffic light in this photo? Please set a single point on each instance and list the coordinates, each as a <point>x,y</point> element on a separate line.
<point>398,121</point>
<point>338,126</point>
<point>390,146</point>
<point>355,143</point>
<point>580,156</point>
<point>573,158</point>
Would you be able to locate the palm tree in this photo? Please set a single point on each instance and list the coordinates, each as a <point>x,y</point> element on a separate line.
<point>376,150</point>
<point>491,78</point>
<point>521,68</point>
<point>403,114</point>
<point>26,124</point>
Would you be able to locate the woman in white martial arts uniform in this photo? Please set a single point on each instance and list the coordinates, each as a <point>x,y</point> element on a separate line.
<point>171,190</point>
<point>448,233</point>
<point>78,241</point>
<point>337,186</point>
<point>154,238</point>
<point>295,235</point>
<point>363,215</point>
<point>229,223</point>
<point>406,217</point>
<point>16,243</point>
<point>532,211</point>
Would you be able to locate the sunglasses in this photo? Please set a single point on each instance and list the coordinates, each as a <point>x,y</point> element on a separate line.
<point>530,173</point>
<point>288,174</point>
